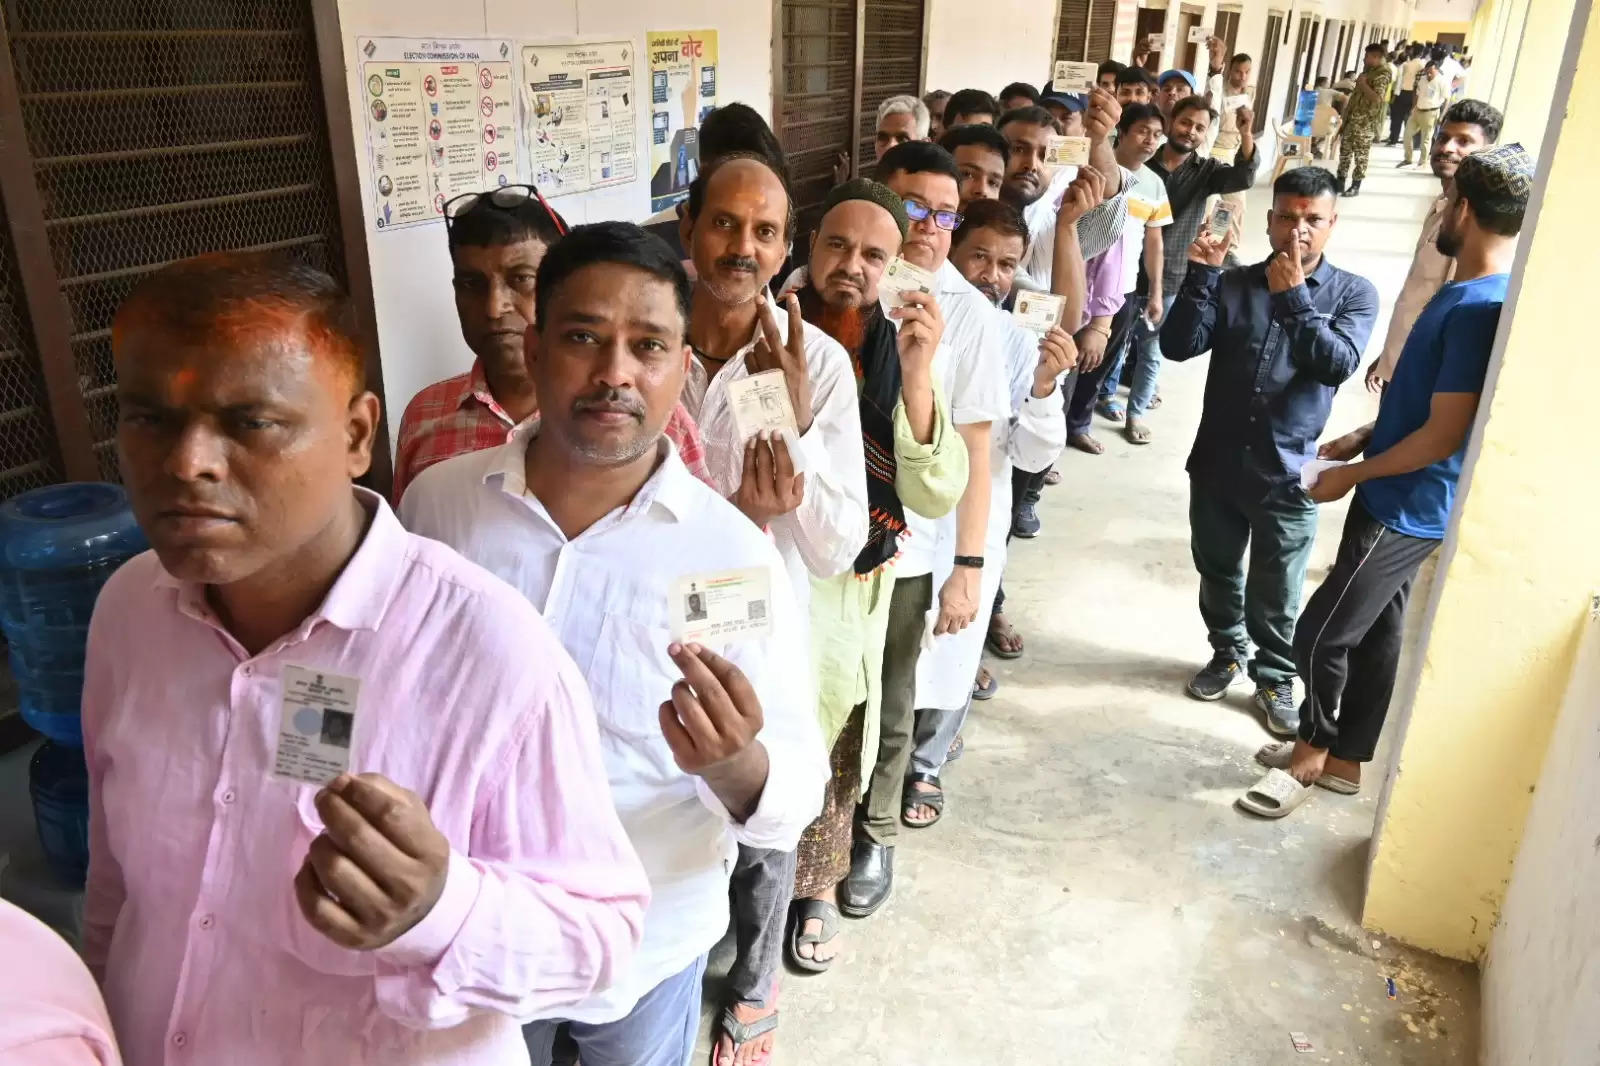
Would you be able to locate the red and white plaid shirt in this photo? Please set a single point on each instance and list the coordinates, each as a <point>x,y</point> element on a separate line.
<point>459,415</point>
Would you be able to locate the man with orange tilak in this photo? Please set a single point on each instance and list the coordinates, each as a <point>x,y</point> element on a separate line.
<point>312,830</point>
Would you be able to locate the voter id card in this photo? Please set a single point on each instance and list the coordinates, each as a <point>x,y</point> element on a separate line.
<point>1038,311</point>
<point>722,605</point>
<point>902,277</point>
<point>1221,219</point>
<point>1067,151</point>
<point>1073,77</point>
<point>761,402</point>
<point>315,726</point>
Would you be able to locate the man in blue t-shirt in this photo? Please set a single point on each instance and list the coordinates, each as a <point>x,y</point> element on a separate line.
<point>1347,642</point>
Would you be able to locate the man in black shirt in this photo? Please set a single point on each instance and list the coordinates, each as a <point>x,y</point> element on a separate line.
<point>1283,335</point>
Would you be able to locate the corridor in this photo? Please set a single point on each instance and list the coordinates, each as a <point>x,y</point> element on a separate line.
<point>1092,897</point>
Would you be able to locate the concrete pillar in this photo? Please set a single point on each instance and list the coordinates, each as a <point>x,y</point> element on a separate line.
<point>1520,563</point>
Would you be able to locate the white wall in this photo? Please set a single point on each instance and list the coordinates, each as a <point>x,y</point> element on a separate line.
<point>988,44</point>
<point>1542,979</point>
<point>417,329</point>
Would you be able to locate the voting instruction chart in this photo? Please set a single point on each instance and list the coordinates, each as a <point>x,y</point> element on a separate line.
<point>579,106</point>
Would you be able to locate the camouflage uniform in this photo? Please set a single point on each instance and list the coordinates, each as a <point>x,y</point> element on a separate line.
<point>1362,119</point>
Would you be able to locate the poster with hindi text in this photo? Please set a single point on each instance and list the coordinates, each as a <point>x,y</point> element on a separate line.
<point>439,117</point>
<point>683,90</point>
<point>578,115</point>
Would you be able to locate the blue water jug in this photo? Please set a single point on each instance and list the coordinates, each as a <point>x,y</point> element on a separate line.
<point>58,783</point>
<point>58,545</point>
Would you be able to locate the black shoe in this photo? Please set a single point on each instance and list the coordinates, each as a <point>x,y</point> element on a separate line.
<point>1025,522</point>
<point>1277,703</point>
<point>1219,675</point>
<point>1338,186</point>
<point>869,881</point>
<point>1354,189</point>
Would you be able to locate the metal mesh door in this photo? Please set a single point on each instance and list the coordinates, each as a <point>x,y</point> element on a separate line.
<point>28,457</point>
<point>894,46</point>
<point>162,129</point>
<point>816,95</point>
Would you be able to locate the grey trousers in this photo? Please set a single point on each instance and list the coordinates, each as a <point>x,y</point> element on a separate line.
<point>908,614</point>
<point>936,731</point>
<point>763,885</point>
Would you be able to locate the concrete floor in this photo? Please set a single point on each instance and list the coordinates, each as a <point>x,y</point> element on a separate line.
<point>1092,896</point>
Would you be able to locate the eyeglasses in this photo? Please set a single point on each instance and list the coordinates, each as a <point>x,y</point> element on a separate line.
<point>506,198</point>
<point>943,219</point>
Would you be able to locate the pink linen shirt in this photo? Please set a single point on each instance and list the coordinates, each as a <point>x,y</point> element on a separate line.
<point>466,698</point>
<point>50,1010</point>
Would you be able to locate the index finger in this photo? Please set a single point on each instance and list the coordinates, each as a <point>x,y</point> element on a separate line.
<point>797,325</point>
<point>769,325</point>
<point>708,687</point>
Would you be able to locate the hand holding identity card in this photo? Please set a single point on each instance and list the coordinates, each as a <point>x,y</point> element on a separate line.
<point>315,725</point>
<point>1199,35</point>
<point>1073,78</point>
<point>1067,151</point>
<point>1221,220</point>
<point>902,277</point>
<point>722,605</point>
<point>761,402</point>
<point>1038,312</point>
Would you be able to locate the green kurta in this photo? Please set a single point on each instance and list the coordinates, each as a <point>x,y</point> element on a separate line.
<point>850,613</point>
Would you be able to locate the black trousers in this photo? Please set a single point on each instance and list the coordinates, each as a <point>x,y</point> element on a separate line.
<point>1347,645</point>
<point>1086,387</point>
<point>1400,110</point>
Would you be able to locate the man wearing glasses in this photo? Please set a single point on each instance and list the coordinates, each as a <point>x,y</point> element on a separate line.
<point>497,241</point>
<point>973,378</point>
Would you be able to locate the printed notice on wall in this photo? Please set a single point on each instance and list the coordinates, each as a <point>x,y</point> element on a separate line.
<point>440,121</point>
<point>683,90</point>
<point>578,108</point>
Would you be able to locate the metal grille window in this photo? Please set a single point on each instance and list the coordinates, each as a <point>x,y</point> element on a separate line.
<point>28,457</point>
<point>158,131</point>
<point>1227,28</point>
<point>893,38</point>
<point>1072,30</point>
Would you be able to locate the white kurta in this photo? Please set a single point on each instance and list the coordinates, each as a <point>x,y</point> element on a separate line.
<point>1032,438</point>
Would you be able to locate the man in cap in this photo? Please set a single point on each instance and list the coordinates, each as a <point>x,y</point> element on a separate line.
<point>1348,644</point>
<point>1172,86</point>
<point>917,463</point>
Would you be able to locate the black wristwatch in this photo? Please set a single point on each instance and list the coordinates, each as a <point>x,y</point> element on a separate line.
<point>974,562</point>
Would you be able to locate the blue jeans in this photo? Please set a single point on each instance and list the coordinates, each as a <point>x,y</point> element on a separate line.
<point>1147,343</point>
<point>659,1031</point>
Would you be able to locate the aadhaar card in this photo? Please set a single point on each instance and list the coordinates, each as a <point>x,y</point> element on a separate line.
<point>1073,77</point>
<point>761,402</point>
<point>722,605</point>
<point>901,277</point>
<point>315,725</point>
<point>1038,312</point>
<point>1067,151</point>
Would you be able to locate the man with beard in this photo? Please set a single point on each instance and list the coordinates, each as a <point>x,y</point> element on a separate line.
<point>1363,114</point>
<point>1190,178</point>
<point>981,155</point>
<point>708,747</point>
<point>916,464</point>
<point>1348,643</point>
<point>925,178</point>
<point>1469,126</point>
<point>1283,336</point>
<point>808,487</point>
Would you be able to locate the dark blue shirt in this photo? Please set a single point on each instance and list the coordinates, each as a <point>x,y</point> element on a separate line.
<point>1447,351</point>
<point>1276,361</point>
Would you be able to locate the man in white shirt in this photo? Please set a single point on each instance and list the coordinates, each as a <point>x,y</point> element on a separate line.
<point>591,514</point>
<point>1405,95</point>
<point>1227,90</point>
<point>1433,92</point>
<point>1469,126</point>
<point>812,499</point>
<point>972,373</point>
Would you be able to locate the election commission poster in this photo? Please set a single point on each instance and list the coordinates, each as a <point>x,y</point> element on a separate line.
<point>683,90</point>
<point>440,120</point>
<point>578,112</point>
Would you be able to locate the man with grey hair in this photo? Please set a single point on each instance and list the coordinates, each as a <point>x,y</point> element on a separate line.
<point>901,119</point>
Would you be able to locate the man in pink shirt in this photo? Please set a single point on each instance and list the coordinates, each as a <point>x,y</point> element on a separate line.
<point>347,801</point>
<point>50,1010</point>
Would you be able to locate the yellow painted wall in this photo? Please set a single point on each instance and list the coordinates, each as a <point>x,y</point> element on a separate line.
<point>1518,572</point>
<point>1428,32</point>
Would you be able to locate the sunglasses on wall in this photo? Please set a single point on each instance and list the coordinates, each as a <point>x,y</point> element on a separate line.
<point>505,198</point>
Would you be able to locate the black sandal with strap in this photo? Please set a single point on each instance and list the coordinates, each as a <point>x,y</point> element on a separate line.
<point>802,911</point>
<point>913,797</point>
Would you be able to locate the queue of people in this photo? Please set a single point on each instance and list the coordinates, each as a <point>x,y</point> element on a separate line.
<point>619,672</point>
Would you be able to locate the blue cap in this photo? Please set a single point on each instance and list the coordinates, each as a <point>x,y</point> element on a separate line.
<point>1175,73</point>
<point>1070,101</point>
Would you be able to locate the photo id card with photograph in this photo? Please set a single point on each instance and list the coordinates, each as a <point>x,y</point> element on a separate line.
<point>1038,312</point>
<point>761,402</point>
<point>315,726</point>
<point>1067,151</point>
<point>902,277</point>
<point>722,605</point>
<point>1073,78</point>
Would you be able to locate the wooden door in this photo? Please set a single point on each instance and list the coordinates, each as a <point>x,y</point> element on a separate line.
<point>1266,64</point>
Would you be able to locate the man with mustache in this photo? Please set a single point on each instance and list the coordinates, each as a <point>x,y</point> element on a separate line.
<point>1190,177</point>
<point>460,868</point>
<point>497,240</point>
<point>1469,126</point>
<point>917,464</point>
<point>808,488</point>
<point>594,518</point>
<point>981,155</point>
